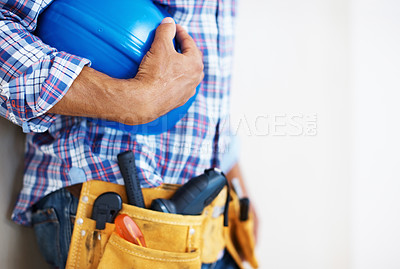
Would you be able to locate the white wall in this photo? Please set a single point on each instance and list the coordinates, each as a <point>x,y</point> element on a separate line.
<point>375,39</point>
<point>330,200</point>
<point>292,59</point>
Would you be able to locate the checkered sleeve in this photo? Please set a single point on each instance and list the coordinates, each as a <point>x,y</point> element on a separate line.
<point>33,75</point>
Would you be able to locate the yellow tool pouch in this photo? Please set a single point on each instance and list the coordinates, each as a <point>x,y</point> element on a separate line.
<point>173,240</point>
<point>240,240</point>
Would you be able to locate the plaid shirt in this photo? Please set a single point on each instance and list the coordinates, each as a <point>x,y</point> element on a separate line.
<point>62,150</point>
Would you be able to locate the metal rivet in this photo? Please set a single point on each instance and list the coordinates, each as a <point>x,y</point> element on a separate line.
<point>192,231</point>
<point>83,232</point>
<point>85,199</point>
<point>79,221</point>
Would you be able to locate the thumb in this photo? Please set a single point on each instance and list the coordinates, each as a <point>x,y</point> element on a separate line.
<point>165,33</point>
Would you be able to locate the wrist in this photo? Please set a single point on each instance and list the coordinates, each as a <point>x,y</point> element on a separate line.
<point>132,98</point>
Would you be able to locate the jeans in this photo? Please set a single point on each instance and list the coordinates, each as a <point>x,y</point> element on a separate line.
<point>53,220</point>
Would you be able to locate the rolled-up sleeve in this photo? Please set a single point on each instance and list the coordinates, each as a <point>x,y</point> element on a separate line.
<point>33,75</point>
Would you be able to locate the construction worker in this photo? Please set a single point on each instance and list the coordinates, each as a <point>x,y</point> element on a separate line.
<point>51,94</point>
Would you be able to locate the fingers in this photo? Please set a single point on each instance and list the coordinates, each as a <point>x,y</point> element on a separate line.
<point>188,46</point>
<point>165,34</point>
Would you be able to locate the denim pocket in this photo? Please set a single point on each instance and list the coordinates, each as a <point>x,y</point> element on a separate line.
<point>47,230</point>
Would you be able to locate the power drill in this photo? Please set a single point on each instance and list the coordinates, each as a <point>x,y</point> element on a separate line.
<point>195,195</point>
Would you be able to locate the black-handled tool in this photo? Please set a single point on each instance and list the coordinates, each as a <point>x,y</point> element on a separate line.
<point>106,208</point>
<point>126,162</point>
<point>195,195</point>
<point>244,209</point>
<point>244,202</point>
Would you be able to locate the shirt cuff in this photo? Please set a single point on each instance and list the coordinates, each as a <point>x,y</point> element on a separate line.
<point>64,70</point>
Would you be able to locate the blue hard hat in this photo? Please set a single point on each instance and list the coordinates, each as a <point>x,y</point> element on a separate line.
<point>114,36</point>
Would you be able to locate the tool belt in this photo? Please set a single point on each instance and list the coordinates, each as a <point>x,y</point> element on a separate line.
<point>173,240</point>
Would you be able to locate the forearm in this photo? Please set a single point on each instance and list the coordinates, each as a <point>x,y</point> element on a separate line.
<point>94,94</point>
<point>165,80</point>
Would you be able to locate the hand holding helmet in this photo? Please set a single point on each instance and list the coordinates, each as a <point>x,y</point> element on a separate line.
<point>169,78</point>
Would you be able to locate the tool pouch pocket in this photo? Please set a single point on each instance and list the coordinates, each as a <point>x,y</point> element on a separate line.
<point>120,253</point>
<point>172,240</point>
<point>240,238</point>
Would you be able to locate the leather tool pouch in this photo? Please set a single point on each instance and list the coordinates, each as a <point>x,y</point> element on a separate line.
<point>173,240</point>
<point>240,240</point>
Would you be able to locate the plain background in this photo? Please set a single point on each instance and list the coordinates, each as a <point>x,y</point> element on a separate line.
<point>315,103</point>
<point>331,200</point>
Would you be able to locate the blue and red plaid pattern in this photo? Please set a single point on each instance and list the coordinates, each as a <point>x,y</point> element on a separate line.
<point>62,151</point>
